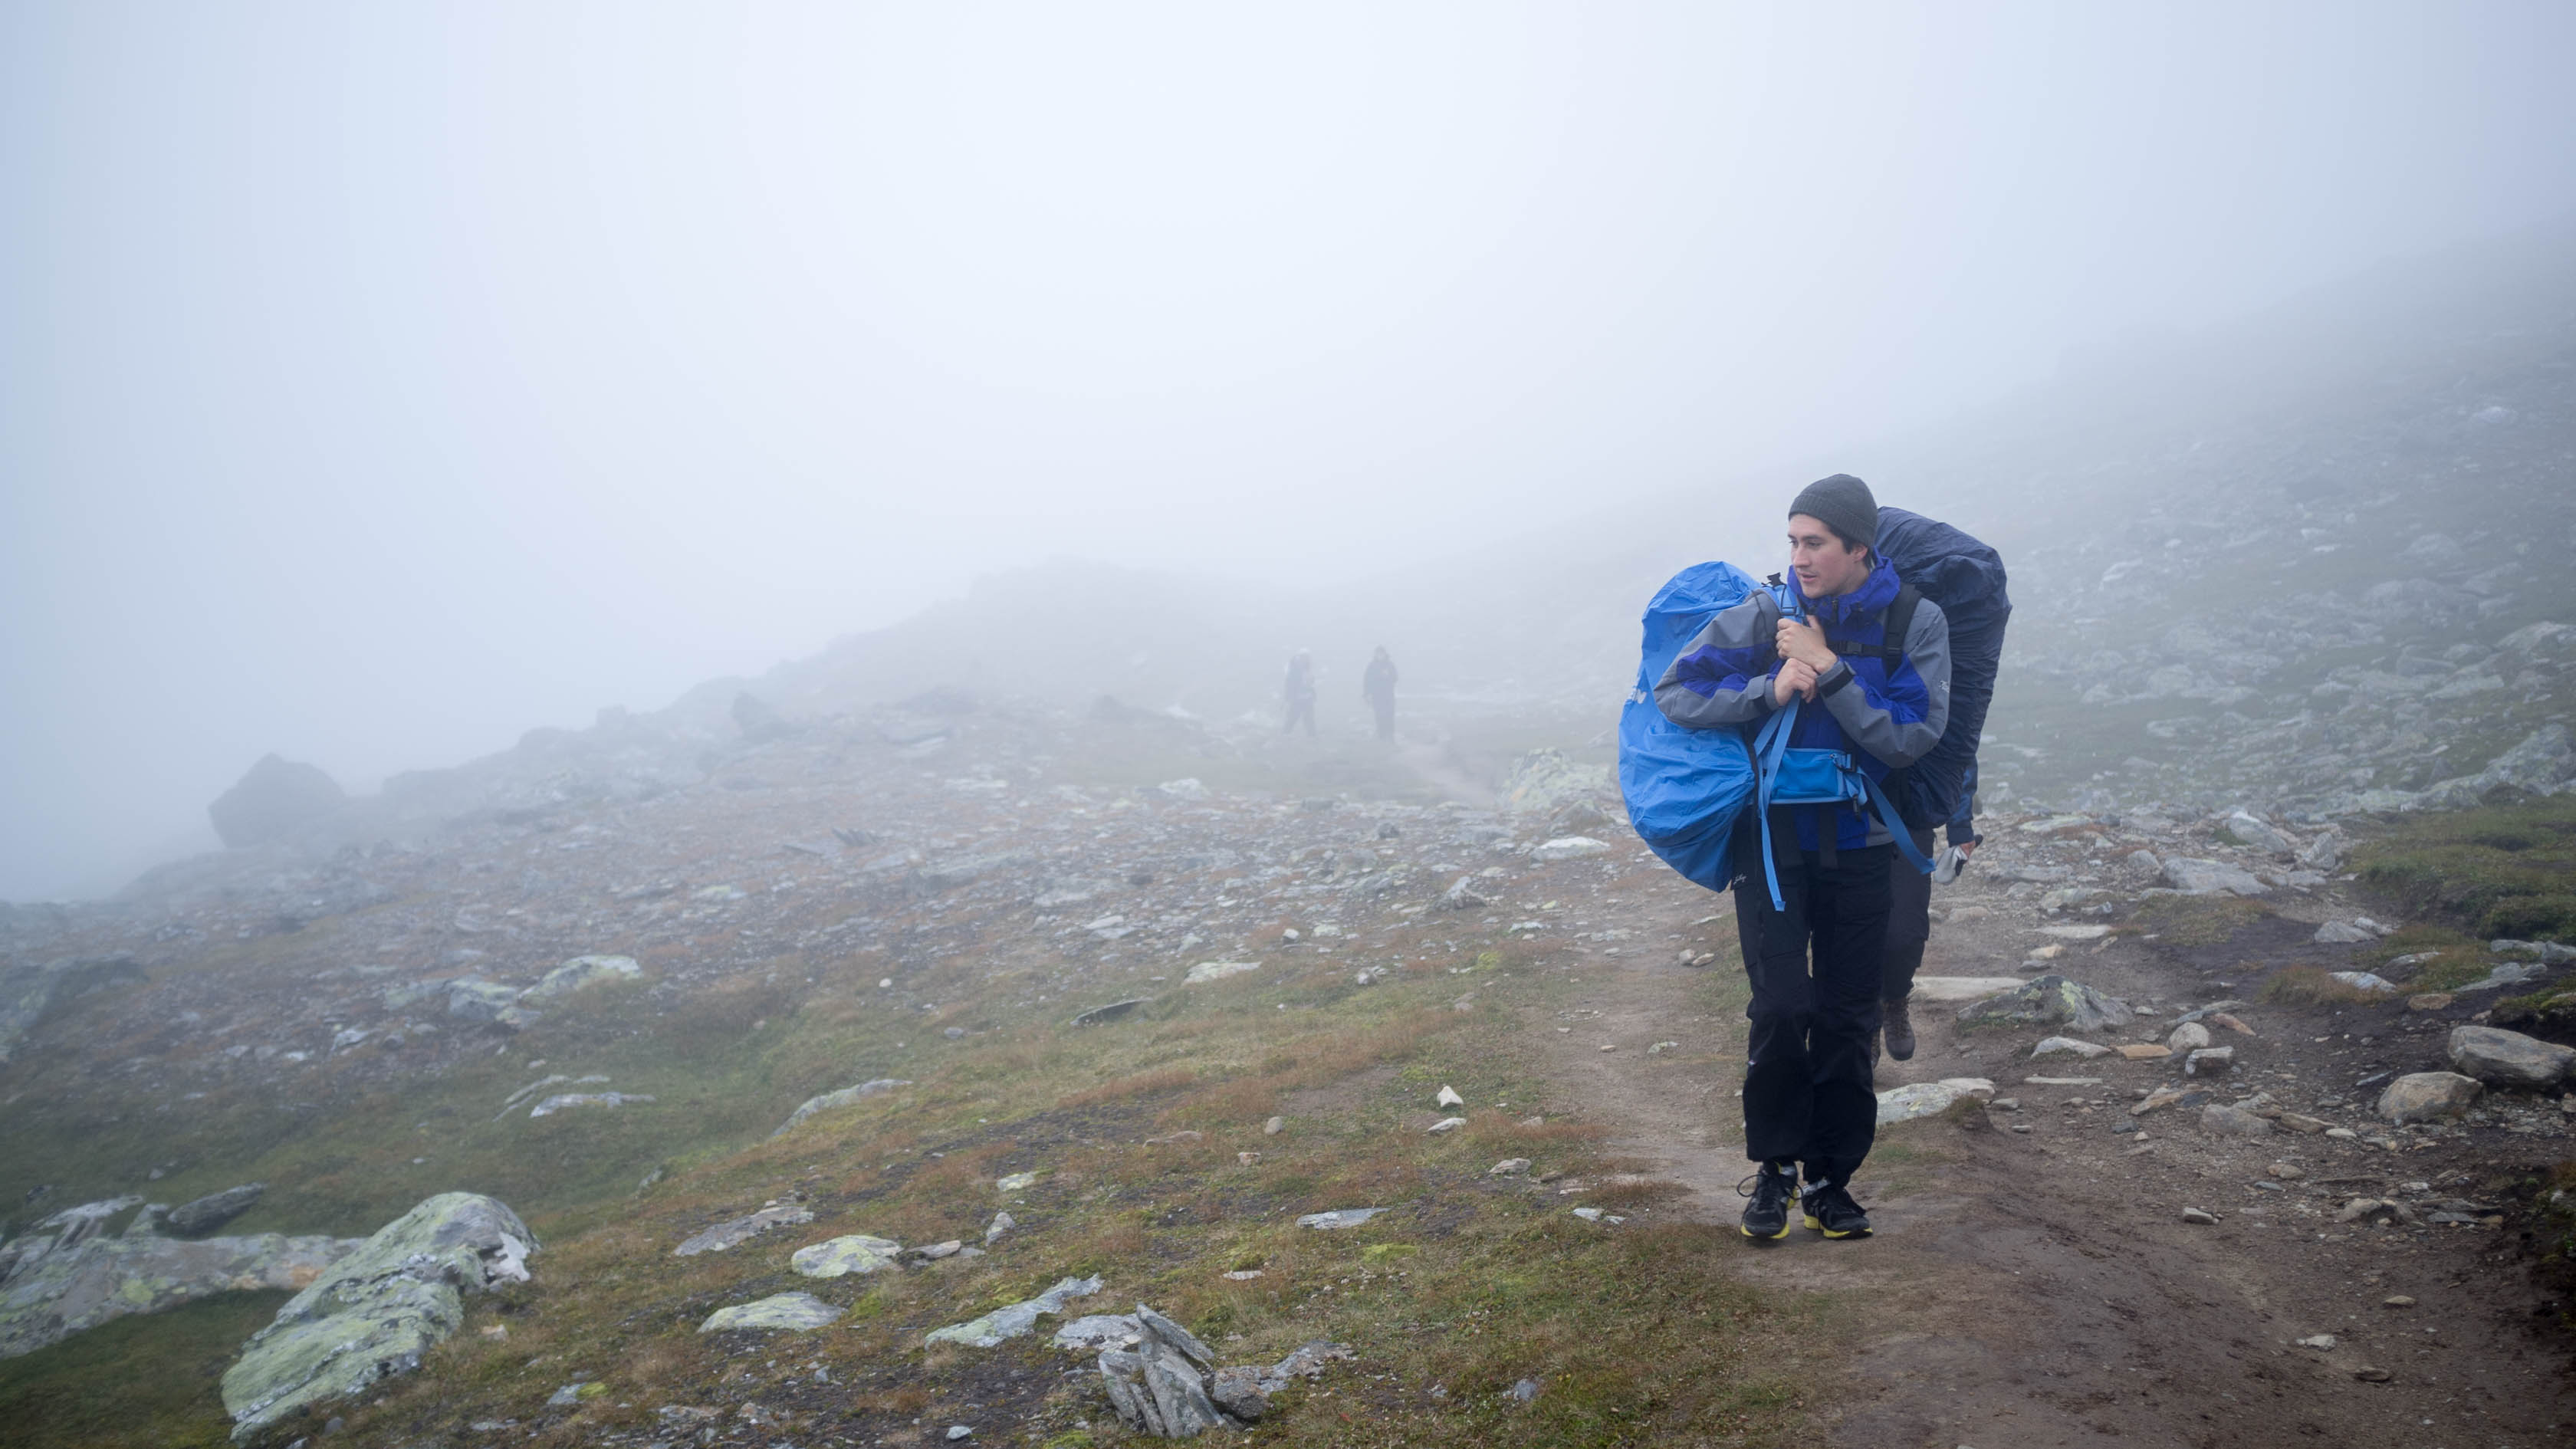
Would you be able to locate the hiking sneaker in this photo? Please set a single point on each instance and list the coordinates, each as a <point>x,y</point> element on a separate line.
<point>1767,1216</point>
<point>1831,1211</point>
<point>1899,1026</point>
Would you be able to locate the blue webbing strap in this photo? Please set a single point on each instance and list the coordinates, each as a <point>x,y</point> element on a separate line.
<point>1768,749</point>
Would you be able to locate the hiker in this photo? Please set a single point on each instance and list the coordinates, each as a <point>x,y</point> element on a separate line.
<point>1301,693</point>
<point>1377,686</point>
<point>1816,964</point>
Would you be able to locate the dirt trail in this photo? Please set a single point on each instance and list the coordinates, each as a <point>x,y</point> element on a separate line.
<point>2039,1288</point>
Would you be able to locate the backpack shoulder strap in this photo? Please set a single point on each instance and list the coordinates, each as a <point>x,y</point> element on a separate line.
<point>1900,622</point>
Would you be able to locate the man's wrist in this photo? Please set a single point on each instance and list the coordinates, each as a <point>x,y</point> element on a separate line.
<point>1833,678</point>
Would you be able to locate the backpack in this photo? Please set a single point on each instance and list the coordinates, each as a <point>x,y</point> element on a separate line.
<point>1966,578</point>
<point>1683,787</point>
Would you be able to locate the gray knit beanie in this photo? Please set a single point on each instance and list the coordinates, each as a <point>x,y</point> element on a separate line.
<point>1842,503</point>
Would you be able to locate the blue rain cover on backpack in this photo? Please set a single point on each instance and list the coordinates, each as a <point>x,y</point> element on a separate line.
<point>1684,787</point>
<point>1966,578</point>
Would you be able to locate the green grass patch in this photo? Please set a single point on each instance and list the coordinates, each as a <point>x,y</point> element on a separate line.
<point>148,1381</point>
<point>2313,986</point>
<point>2500,871</point>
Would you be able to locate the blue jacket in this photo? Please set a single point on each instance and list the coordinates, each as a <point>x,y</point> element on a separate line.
<point>1885,714</point>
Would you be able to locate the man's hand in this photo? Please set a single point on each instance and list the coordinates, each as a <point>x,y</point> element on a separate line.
<point>1968,848</point>
<point>1805,643</point>
<point>1794,678</point>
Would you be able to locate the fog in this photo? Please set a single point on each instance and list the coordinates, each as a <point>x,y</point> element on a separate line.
<point>379,382</point>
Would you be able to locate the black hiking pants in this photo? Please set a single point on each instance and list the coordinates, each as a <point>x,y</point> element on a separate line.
<point>1815,969</point>
<point>1909,922</point>
<point>1300,709</point>
<point>1385,716</point>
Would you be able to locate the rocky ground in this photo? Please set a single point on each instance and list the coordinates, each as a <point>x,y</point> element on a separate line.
<point>557,1009</point>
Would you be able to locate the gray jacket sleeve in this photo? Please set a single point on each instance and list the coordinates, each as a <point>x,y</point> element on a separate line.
<point>1902,722</point>
<point>1724,676</point>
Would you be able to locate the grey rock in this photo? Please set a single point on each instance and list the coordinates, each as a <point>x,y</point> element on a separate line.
<point>379,1309</point>
<point>2428,1097</point>
<point>1002,1223</point>
<point>2227,1121</point>
<point>736,1231</point>
<point>1099,1330</point>
<point>845,1097</point>
<point>1016,1319</point>
<point>1155,1391</point>
<point>2509,1059</point>
<point>2070,1046</point>
<point>1237,1390</point>
<point>2188,1036</point>
<point>1114,1010</point>
<point>214,1209</point>
<point>50,1290</point>
<point>1306,1361</point>
<point>2249,830</point>
<point>790,1312</point>
<point>275,801</point>
<point>1175,1337</point>
<point>1339,1218</point>
<point>2341,933</point>
<point>1568,847</point>
<point>2199,877</point>
<point>1207,971</point>
<point>470,999</point>
<point>580,972</point>
<point>2050,1000</point>
<point>568,1101</point>
<point>2375,984</point>
<point>2209,1059</point>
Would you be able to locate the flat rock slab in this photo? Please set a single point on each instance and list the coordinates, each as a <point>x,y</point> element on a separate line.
<point>568,1101</point>
<point>742,1229</point>
<point>1569,847</point>
<point>2210,877</point>
<point>791,1312</point>
<point>1114,1010</point>
<point>1016,1319</point>
<point>379,1309</point>
<point>839,1257</point>
<point>2069,1046</point>
<point>1339,1218</point>
<point>215,1209</point>
<point>1930,1099</point>
<point>1207,971</point>
<point>1961,988</point>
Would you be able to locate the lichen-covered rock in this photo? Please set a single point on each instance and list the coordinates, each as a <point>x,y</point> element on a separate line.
<point>779,1312</point>
<point>1207,971</point>
<point>1544,782</point>
<point>733,1231</point>
<point>214,1209</point>
<point>390,1300</point>
<point>1568,847</point>
<point>1237,1390</point>
<point>49,1292</point>
<point>579,972</point>
<point>2509,1059</point>
<point>473,1000</point>
<point>1016,1319</point>
<point>2428,1097</point>
<point>845,1097</point>
<point>836,1257</point>
<point>568,1101</point>
<point>2050,1000</point>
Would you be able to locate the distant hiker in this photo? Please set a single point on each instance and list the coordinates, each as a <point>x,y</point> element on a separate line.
<point>1377,686</point>
<point>1807,1096</point>
<point>1966,578</point>
<point>1301,692</point>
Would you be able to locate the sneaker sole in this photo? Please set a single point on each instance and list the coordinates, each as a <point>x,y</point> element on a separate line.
<point>1768,1237</point>
<point>1829,1232</point>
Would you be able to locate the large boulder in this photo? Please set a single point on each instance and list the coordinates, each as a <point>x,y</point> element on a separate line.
<point>274,802</point>
<point>2428,1097</point>
<point>55,1283</point>
<point>2509,1059</point>
<point>379,1309</point>
<point>2050,1000</point>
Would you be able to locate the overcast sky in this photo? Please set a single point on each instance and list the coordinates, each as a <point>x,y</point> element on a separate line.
<point>378,381</point>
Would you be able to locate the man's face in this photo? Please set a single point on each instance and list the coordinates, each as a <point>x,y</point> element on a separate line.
<point>1824,566</point>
